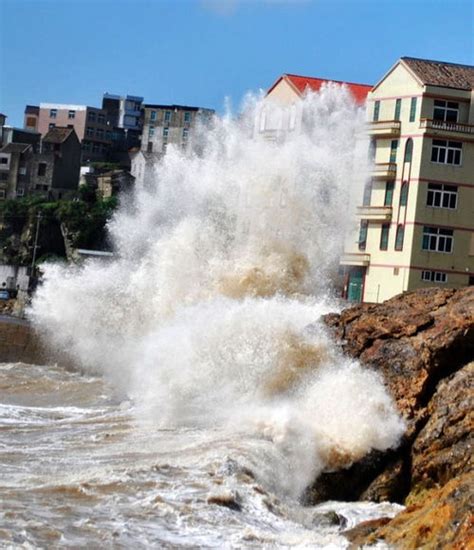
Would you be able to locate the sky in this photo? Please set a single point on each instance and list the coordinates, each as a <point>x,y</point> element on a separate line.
<point>200,52</point>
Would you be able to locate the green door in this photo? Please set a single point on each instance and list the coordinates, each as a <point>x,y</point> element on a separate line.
<point>354,286</point>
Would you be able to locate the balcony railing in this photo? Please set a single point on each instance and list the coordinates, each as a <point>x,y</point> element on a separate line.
<point>385,128</point>
<point>375,213</point>
<point>384,170</point>
<point>444,126</point>
<point>353,258</point>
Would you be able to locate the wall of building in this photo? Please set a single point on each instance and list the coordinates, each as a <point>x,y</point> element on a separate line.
<point>62,118</point>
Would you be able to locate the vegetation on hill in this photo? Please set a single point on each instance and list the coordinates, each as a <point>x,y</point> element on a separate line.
<point>84,220</point>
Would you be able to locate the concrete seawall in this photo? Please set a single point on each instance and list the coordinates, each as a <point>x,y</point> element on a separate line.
<point>19,342</point>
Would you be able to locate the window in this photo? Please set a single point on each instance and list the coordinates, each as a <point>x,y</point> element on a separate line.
<point>91,116</point>
<point>20,192</point>
<point>53,113</point>
<point>165,132</point>
<point>364,225</point>
<point>167,116</point>
<point>393,150</point>
<point>71,114</point>
<point>42,169</point>
<point>96,148</point>
<point>398,107</point>
<point>108,135</point>
<point>384,236</point>
<point>86,146</point>
<point>413,109</point>
<point>389,187</point>
<point>434,276</point>
<point>367,194</point>
<point>404,194</point>
<point>22,170</point>
<point>51,125</point>
<point>153,115</point>
<point>445,111</point>
<point>437,239</point>
<point>2,194</point>
<point>31,122</point>
<point>408,150</point>
<point>4,160</point>
<point>101,119</point>
<point>446,152</point>
<point>187,116</point>
<point>376,111</point>
<point>442,196</point>
<point>99,133</point>
<point>399,237</point>
<point>90,132</point>
<point>151,131</point>
<point>149,147</point>
<point>372,149</point>
<point>4,176</point>
<point>185,134</point>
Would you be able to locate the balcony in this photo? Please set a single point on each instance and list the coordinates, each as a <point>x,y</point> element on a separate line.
<point>353,258</point>
<point>385,128</point>
<point>375,213</point>
<point>384,171</point>
<point>440,127</point>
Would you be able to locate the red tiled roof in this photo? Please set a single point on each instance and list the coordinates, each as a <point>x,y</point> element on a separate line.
<point>301,83</point>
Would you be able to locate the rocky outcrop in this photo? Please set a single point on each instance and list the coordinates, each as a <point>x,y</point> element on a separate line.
<point>18,342</point>
<point>422,343</point>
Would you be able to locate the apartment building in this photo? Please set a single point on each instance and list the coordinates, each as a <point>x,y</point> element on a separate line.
<point>170,124</point>
<point>416,216</point>
<point>89,123</point>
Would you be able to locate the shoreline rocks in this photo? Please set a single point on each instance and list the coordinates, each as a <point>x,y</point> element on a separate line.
<point>422,344</point>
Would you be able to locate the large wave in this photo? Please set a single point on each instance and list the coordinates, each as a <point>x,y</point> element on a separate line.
<point>208,315</point>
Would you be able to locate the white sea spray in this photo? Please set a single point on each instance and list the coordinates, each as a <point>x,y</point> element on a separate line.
<point>209,314</point>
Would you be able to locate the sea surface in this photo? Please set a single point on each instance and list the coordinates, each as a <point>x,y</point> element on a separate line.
<point>79,470</point>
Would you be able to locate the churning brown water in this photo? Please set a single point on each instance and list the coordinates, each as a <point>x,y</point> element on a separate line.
<point>78,471</point>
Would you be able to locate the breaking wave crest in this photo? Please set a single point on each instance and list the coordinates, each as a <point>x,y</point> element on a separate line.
<point>209,314</point>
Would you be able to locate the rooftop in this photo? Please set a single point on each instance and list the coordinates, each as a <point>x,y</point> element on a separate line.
<point>59,134</point>
<point>32,110</point>
<point>175,107</point>
<point>15,148</point>
<point>302,83</point>
<point>441,73</point>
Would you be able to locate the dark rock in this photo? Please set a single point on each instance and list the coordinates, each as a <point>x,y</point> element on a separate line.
<point>444,447</point>
<point>228,499</point>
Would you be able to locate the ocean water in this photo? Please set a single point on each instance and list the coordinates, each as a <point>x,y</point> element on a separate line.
<point>205,393</point>
<point>79,471</point>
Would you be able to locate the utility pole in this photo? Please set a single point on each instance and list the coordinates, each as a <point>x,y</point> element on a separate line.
<point>38,219</point>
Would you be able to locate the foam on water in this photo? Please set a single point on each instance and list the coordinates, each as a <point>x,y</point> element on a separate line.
<point>209,314</point>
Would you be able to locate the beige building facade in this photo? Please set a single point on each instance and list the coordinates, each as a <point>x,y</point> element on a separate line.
<point>416,218</point>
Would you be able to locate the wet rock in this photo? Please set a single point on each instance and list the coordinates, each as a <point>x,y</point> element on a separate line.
<point>360,534</point>
<point>444,448</point>
<point>228,499</point>
<point>422,343</point>
<point>329,519</point>
<point>440,518</point>
<point>413,340</point>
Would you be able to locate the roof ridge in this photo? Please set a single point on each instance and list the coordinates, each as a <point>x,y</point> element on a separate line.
<point>439,62</point>
<point>329,80</point>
